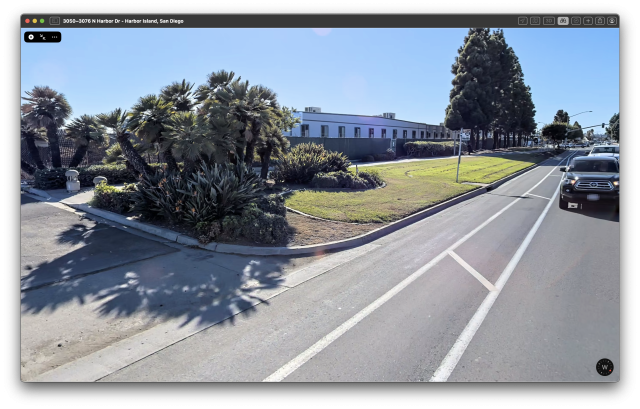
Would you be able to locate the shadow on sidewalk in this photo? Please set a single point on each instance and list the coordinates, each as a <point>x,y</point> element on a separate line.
<point>190,284</point>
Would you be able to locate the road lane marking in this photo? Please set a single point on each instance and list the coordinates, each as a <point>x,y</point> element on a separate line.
<point>541,197</point>
<point>457,350</point>
<point>316,348</point>
<point>472,271</point>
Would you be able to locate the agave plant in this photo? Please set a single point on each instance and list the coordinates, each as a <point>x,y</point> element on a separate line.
<point>85,131</point>
<point>47,108</point>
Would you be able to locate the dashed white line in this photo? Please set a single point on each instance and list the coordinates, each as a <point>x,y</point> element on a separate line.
<point>541,197</point>
<point>316,348</point>
<point>473,272</point>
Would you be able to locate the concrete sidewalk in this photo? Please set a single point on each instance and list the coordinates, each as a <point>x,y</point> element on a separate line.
<point>88,285</point>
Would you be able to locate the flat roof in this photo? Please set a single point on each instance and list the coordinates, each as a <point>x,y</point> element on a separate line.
<point>370,116</point>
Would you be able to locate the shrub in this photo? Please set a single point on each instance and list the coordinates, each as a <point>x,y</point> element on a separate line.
<point>305,160</point>
<point>421,149</point>
<point>372,176</point>
<point>388,155</point>
<point>255,225</point>
<point>347,180</point>
<point>368,158</point>
<point>113,199</point>
<point>48,179</point>
<point>209,194</point>
<point>273,204</point>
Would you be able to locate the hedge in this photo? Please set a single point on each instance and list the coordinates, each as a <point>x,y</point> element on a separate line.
<point>421,149</point>
<point>47,179</point>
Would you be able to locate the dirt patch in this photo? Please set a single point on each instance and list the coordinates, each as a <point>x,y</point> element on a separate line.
<point>307,230</point>
<point>304,230</point>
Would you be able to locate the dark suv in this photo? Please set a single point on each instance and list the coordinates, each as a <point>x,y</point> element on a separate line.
<point>590,179</point>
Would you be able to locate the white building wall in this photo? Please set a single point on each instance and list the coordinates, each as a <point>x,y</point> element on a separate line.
<point>350,122</point>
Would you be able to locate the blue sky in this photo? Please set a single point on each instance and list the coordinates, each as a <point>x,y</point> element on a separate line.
<point>353,71</point>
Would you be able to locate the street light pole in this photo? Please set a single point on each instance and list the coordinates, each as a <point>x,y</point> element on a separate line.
<point>568,120</point>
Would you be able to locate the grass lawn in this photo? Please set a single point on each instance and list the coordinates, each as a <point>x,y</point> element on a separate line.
<point>411,187</point>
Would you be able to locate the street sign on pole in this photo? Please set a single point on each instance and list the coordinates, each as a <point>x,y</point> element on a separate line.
<point>459,154</point>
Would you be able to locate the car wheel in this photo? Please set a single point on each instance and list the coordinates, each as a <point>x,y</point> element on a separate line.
<point>562,204</point>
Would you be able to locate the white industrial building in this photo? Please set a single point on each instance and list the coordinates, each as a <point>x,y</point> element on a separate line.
<point>317,124</point>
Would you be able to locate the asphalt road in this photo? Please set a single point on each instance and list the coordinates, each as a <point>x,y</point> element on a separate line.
<point>543,304</point>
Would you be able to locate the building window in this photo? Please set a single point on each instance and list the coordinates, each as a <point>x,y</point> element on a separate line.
<point>370,132</point>
<point>395,134</point>
<point>356,133</point>
<point>442,135</point>
<point>324,131</point>
<point>413,134</point>
<point>304,130</point>
<point>341,132</point>
<point>421,134</point>
<point>404,134</point>
<point>384,133</point>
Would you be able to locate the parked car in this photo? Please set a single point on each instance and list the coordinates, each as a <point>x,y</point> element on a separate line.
<point>590,179</point>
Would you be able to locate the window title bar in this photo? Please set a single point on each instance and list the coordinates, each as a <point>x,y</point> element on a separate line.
<point>566,20</point>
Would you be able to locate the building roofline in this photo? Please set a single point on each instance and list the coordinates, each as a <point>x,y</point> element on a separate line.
<point>368,116</point>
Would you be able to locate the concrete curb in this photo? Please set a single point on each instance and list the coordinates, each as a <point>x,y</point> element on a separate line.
<point>311,249</point>
<point>39,192</point>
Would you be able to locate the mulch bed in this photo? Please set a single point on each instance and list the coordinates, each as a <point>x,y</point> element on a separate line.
<point>304,231</point>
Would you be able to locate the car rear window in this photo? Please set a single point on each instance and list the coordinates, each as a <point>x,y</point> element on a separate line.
<point>594,166</point>
<point>606,149</point>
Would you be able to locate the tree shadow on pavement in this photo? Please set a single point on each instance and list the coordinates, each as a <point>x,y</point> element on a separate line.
<point>193,285</point>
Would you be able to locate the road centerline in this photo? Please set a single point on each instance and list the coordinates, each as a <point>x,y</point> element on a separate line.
<point>316,348</point>
<point>473,271</point>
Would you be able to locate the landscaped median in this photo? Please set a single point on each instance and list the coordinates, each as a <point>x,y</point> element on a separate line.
<point>410,188</point>
<point>413,191</point>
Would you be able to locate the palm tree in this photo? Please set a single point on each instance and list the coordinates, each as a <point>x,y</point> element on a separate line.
<point>271,143</point>
<point>180,95</point>
<point>31,134</point>
<point>189,138</point>
<point>117,120</point>
<point>85,131</point>
<point>47,108</point>
<point>266,110</point>
<point>148,119</point>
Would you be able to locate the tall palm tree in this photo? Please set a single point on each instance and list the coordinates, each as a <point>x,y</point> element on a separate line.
<point>32,134</point>
<point>84,131</point>
<point>148,119</point>
<point>117,120</point>
<point>47,108</point>
<point>180,95</point>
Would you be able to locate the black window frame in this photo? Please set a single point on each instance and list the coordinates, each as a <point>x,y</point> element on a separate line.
<point>356,132</point>
<point>372,133</point>
<point>342,134</point>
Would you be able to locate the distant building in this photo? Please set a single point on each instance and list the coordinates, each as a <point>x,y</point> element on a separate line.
<point>317,124</point>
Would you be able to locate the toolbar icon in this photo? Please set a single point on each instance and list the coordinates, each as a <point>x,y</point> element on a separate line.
<point>534,21</point>
<point>522,21</point>
<point>587,21</point>
<point>563,21</point>
<point>54,21</point>
<point>576,21</point>
<point>612,21</point>
<point>599,21</point>
<point>548,21</point>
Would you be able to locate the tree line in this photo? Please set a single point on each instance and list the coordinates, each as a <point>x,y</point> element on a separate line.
<point>223,120</point>
<point>489,94</point>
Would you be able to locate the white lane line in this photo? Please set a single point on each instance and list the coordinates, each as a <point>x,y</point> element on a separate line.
<point>472,271</point>
<point>453,357</point>
<point>541,197</point>
<point>316,348</point>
